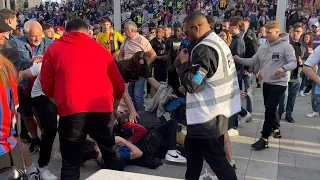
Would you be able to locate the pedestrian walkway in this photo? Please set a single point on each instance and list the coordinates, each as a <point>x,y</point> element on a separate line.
<point>294,157</point>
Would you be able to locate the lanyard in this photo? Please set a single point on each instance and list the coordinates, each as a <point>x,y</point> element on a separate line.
<point>35,51</point>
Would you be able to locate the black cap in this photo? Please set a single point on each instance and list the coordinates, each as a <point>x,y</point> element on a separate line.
<point>4,27</point>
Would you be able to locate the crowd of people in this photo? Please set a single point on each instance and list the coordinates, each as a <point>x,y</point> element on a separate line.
<point>65,69</point>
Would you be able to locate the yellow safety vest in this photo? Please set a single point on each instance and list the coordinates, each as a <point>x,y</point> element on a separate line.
<point>158,17</point>
<point>139,21</point>
<point>170,4</point>
<point>179,5</point>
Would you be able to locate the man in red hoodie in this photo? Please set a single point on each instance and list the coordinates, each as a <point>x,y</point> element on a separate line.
<point>84,81</point>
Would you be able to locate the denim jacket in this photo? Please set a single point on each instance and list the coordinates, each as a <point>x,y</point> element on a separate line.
<point>26,54</point>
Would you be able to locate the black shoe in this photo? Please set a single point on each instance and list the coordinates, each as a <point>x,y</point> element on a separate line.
<point>261,144</point>
<point>258,86</point>
<point>25,138</point>
<point>35,145</point>
<point>276,133</point>
<point>290,119</point>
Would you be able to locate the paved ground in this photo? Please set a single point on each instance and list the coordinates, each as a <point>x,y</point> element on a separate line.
<point>294,157</point>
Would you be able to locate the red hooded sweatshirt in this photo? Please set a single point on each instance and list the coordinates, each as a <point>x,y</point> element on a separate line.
<point>81,75</point>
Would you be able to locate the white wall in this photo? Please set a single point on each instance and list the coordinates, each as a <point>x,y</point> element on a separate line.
<point>2,4</point>
<point>33,3</point>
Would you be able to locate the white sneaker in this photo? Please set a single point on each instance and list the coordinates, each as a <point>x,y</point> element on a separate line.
<point>301,93</point>
<point>177,158</point>
<point>308,93</point>
<point>208,176</point>
<point>34,176</point>
<point>57,156</point>
<point>246,118</point>
<point>312,114</point>
<point>45,174</point>
<point>233,132</point>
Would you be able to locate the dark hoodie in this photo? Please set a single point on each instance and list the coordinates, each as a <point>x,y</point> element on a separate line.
<point>11,53</point>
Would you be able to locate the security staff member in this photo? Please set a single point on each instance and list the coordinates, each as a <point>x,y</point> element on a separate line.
<point>207,69</point>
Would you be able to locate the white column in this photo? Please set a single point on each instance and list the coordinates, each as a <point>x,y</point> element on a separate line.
<point>281,8</point>
<point>2,5</point>
<point>117,15</point>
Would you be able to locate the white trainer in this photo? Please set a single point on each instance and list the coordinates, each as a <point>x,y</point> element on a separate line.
<point>312,114</point>
<point>45,174</point>
<point>208,176</point>
<point>175,158</point>
<point>246,118</point>
<point>301,93</point>
<point>233,132</point>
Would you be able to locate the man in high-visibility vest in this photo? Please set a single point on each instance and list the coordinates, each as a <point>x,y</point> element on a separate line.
<point>138,20</point>
<point>170,6</point>
<point>179,4</point>
<point>109,38</point>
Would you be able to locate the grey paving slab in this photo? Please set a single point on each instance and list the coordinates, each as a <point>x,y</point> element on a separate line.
<point>268,155</point>
<point>297,173</point>
<point>262,169</point>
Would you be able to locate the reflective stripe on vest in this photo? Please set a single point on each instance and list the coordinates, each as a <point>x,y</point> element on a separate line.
<point>220,94</point>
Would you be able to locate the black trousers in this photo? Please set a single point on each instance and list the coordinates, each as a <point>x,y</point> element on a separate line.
<point>47,113</point>
<point>271,95</point>
<point>73,131</point>
<point>212,151</point>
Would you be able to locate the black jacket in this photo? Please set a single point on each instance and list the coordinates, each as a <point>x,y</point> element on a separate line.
<point>301,50</point>
<point>251,44</point>
<point>11,53</point>
<point>238,48</point>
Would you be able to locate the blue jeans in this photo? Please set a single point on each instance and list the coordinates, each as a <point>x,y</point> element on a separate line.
<point>290,95</point>
<point>247,80</point>
<point>136,92</point>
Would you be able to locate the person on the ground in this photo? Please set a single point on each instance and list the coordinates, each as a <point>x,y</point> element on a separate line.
<point>109,38</point>
<point>10,146</point>
<point>274,69</point>
<point>135,42</point>
<point>31,46</point>
<point>287,101</point>
<point>82,115</point>
<point>201,65</point>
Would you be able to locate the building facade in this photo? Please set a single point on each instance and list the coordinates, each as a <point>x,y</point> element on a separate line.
<point>18,4</point>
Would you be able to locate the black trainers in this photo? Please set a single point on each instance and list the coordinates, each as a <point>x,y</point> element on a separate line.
<point>290,119</point>
<point>35,145</point>
<point>276,133</point>
<point>260,144</point>
<point>258,86</point>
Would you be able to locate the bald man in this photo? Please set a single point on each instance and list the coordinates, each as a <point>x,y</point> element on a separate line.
<point>31,47</point>
<point>208,75</point>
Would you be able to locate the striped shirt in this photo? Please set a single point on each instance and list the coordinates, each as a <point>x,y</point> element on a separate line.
<point>8,102</point>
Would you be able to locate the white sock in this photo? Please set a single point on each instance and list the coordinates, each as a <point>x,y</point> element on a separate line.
<point>172,152</point>
<point>31,169</point>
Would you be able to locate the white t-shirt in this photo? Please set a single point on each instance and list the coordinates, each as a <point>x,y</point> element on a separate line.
<point>36,88</point>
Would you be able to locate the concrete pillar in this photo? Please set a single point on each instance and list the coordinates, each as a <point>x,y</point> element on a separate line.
<point>2,5</point>
<point>281,8</point>
<point>117,15</point>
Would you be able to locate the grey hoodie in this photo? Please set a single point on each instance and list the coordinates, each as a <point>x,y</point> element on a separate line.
<point>270,57</point>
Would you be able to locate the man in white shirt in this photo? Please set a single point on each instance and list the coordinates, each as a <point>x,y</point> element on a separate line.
<point>46,111</point>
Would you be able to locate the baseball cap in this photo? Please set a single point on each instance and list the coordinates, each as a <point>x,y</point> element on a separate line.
<point>4,27</point>
<point>315,25</point>
<point>60,28</point>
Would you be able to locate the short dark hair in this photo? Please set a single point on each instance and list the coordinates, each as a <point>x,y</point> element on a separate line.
<point>47,26</point>
<point>226,20</point>
<point>76,24</point>
<point>298,25</point>
<point>8,13</point>
<point>237,21</point>
<point>193,17</point>
<point>88,151</point>
<point>105,19</point>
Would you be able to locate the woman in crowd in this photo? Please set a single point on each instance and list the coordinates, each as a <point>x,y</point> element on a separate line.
<point>307,40</point>
<point>226,36</point>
